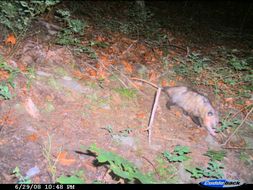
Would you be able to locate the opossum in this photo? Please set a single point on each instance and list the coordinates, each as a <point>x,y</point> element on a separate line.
<point>194,104</point>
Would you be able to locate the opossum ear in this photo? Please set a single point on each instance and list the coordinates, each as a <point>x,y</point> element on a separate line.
<point>210,113</point>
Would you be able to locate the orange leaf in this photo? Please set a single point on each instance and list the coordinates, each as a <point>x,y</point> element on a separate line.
<point>172,83</point>
<point>178,113</point>
<point>33,137</point>
<point>152,75</point>
<point>10,39</point>
<point>65,161</point>
<point>128,67</point>
<point>164,83</point>
<point>140,115</point>
<point>101,73</point>
<point>91,72</point>
<point>248,102</point>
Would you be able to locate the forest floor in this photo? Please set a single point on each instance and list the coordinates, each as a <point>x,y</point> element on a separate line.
<point>66,102</point>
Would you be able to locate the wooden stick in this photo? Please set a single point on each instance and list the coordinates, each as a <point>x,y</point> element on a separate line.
<point>229,138</point>
<point>153,115</point>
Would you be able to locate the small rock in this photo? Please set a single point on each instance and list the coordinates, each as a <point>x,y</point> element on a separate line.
<point>42,73</point>
<point>31,108</point>
<point>32,172</point>
<point>129,141</point>
<point>67,78</point>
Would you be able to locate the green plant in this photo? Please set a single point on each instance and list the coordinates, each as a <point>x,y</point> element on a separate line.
<point>47,153</point>
<point>198,63</point>
<point>213,170</point>
<point>17,15</point>
<point>125,92</point>
<point>119,166</point>
<point>21,178</point>
<point>216,155</point>
<point>4,92</point>
<point>165,170</point>
<point>11,71</point>
<point>178,155</point>
<point>4,89</point>
<point>30,75</point>
<point>76,178</point>
<point>225,124</point>
<point>67,35</point>
<point>123,133</point>
<point>238,64</point>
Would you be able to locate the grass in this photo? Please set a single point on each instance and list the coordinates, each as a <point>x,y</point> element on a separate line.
<point>126,93</point>
<point>51,162</point>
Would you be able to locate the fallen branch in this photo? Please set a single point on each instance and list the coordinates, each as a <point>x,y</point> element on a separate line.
<point>112,73</point>
<point>229,138</point>
<point>153,114</point>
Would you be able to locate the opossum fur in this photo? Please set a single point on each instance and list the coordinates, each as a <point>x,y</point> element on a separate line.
<point>194,104</point>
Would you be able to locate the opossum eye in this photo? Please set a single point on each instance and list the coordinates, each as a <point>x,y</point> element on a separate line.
<point>210,113</point>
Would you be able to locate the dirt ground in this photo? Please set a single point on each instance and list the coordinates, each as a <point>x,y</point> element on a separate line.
<point>63,114</point>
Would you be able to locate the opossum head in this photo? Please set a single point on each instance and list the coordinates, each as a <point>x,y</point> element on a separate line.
<point>210,117</point>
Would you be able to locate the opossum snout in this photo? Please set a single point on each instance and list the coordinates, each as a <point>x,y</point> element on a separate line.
<point>211,120</point>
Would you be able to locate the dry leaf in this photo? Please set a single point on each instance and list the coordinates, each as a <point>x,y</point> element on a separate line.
<point>164,83</point>
<point>172,83</point>
<point>32,138</point>
<point>140,115</point>
<point>152,75</point>
<point>229,100</point>
<point>10,40</point>
<point>128,67</point>
<point>91,72</point>
<point>65,161</point>
<point>178,113</point>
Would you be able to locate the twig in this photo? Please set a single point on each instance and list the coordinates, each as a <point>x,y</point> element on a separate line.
<point>153,114</point>
<point>130,81</point>
<point>240,148</point>
<point>152,166</point>
<point>240,111</point>
<point>237,128</point>
<point>129,47</point>
<point>112,73</point>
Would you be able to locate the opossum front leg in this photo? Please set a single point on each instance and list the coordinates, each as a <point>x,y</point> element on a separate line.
<point>196,120</point>
<point>169,104</point>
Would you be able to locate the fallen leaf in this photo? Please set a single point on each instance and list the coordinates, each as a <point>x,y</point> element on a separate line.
<point>65,161</point>
<point>172,83</point>
<point>91,72</point>
<point>31,108</point>
<point>248,102</point>
<point>152,75</point>
<point>10,40</point>
<point>178,113</point>
<point>164,83</point>
<point>140,115</point>
<point>229,100</point>
<point>32,138</point>
<point>128,67</point>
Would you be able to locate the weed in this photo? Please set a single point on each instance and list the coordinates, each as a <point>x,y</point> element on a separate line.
<point>30,75</point>
<point>4,92</point>
<point>122,133</point>
<point>4,89</point>
<point>76,178</point>
<point>127,93</point>
<point>213,170</point>
<point>216,155</point>
<point>17,15</point>
<point>119,166</point>
<point>21,178</point>
<point>47,153</point>
<point>178,154</point>
<point>225,124</point>
<point>166,172</point>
